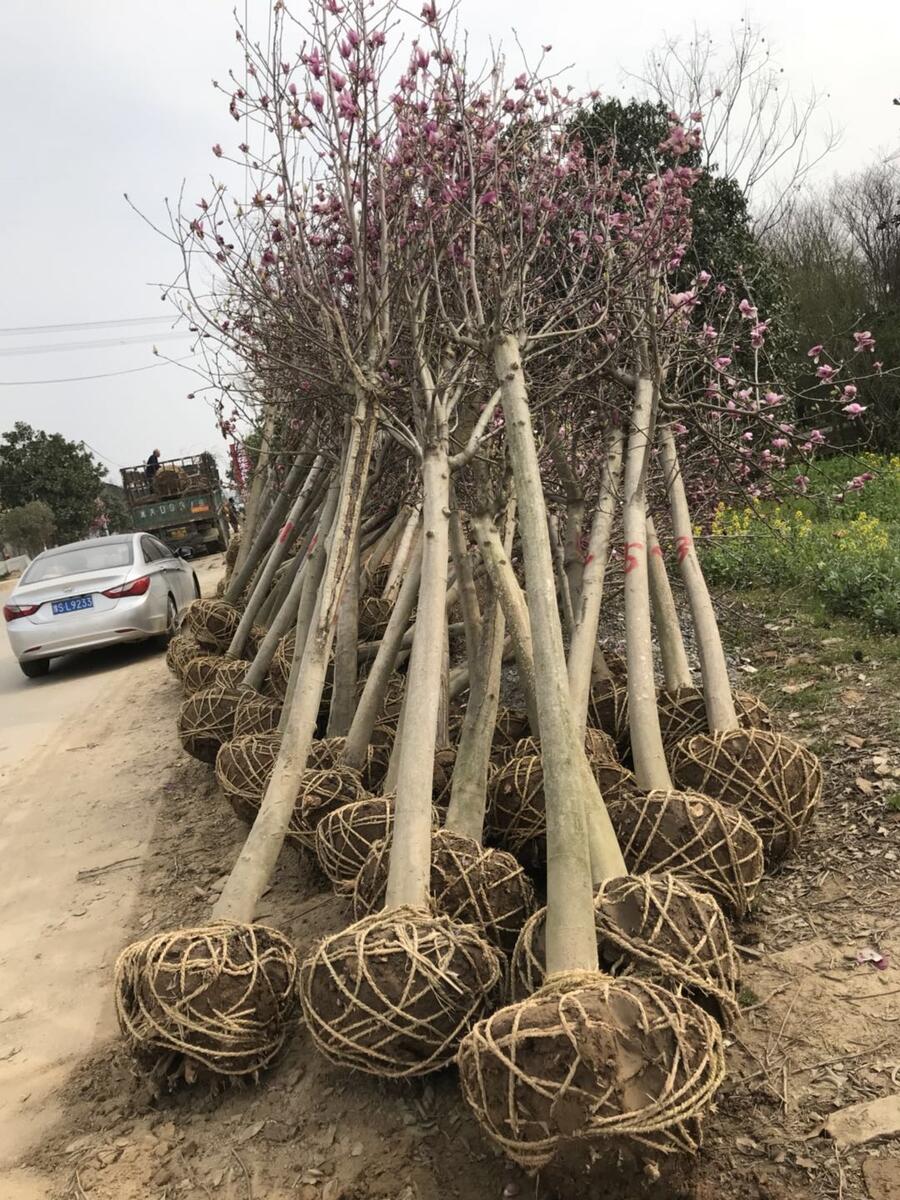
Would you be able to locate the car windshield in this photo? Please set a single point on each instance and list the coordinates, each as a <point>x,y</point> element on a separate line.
<point>79,560</point>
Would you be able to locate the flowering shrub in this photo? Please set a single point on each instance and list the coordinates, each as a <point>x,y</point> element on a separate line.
<point>846,556</point>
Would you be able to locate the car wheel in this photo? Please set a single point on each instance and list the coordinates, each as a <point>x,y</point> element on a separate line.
<point>35,668</point>
<point>162,640</point>
<point>197,592</point>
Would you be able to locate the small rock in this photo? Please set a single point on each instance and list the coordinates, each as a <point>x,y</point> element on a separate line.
<point>356,1149</point>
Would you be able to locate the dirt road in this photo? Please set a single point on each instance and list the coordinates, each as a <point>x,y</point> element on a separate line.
<point>78,793</point>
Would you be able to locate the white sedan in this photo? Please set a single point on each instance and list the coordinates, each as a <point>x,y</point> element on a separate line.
<point>94,593</point>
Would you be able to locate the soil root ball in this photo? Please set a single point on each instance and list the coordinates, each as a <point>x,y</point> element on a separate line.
<point>256,714</point>
<point>510,727</point>
<point>374,614</point>
<point>212,622</point>
<point>393,994</point>
<point>774,781</point>
<point>320,792</point>
<point>484,888</point>
<point>517,816</point>
<point>608,711</point>
<point>598,746</point>
<point>179,652</point>
<point>213,670</point>
<point>206,721</point>
<point>593,1065</point>
<point>280,666</point>
<point>704,841</point>
<point>223,996</point>
<point>682,713</point>
<point>345,836</point>
<point>655,926</point>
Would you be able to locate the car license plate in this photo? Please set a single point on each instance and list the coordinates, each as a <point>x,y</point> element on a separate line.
<point>73,605</point>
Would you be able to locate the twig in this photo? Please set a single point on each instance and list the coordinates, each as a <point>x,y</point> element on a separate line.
<point>246,1173</point>
<point>77,1183</point>
<point>119,864</point>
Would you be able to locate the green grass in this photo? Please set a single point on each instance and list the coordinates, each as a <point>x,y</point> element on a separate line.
<point>842,555</point>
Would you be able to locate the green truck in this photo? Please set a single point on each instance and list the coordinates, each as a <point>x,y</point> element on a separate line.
<point>181,503</point>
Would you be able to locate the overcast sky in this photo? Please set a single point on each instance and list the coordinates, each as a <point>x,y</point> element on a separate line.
<point>110,96</point>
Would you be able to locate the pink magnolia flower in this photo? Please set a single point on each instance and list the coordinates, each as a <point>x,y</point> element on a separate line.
<point>747,310</point>
<point>487,198</point>
<point>801,482</point>
<point>758,334</point>
<point>815,352</point>
<point>710,332</point>
<point>722,362</point>
<point>817,437</point>
<point>850,391</point>
<point>773,398</point>
<point>429,12</point>
<point>854,410</point>
<point>217,150</point>
<point>703,278</point>
<point>317,100</point>
<point>825,373</point>
<point>347,106</point>
<point>780,443</point>
<point>864,340</point>
<point>339,80</point>
<point>876,367</point>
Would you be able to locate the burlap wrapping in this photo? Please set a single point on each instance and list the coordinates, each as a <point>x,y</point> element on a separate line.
<point>772,780</point>
<point>222,996</point>
<point>484,888</point>
<point>704,841</point>
<point>213,670</point>
<point>618,1065</point>
<point>374,614</point>
<point>256,714</point>
<point>179,652</point>
<point>206,721</point>
<point>393,994</point>
<point>212,622</point>
<point>657,926</point>
<point>682,712</point>
<point>516,817</point>
<point>608,711</point>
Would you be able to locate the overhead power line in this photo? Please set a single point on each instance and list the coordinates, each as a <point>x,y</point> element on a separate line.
<point>75,325</point>
<point>98,343</point>
<point>104,375</point>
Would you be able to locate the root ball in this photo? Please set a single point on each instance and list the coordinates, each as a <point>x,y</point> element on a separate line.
<point>393,994</point>
<point>655,926</point>
<point>181,649</point>
<point>212,622</point>
<point>708,843</point>
<point>256,714</point>
<point>206,721</point>
<point>222,996</point>
<point>772,780</point>
<point>608,711</point>
<point>682,713</point>
<point>484,888</point>
<point>593,1065</point>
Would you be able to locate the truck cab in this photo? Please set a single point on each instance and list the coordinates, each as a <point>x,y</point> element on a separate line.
<point>181,503</point>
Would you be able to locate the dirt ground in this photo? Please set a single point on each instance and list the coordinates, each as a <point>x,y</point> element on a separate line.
<point>820,1030</point>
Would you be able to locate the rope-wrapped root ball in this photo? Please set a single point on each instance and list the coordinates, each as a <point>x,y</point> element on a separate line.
<point>593,1066</point>
<point>212,622</point>
<point>772,780</point>
<point>280,666</point>
<point>256,714</point>
<point>656,926</point>
<point>598,746</point>
<point>244,766</point>
<point>484,888</point>
<point>222,997</point>
<point>179,652</point>
<point>321,791</point>
<point>510,727</point>
<point>213,670</point>
<point>394,994</point>
<point>705,842</point>
<point>608,711</point>
<point>345,837</point>
<point>374,614</point>
<point>517,816</point>
<point>682,712</point>
<point>206,721</point>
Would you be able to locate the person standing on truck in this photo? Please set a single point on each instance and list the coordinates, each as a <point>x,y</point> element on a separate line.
<point>152,466</point>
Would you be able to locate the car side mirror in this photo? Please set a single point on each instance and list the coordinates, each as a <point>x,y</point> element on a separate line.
<point>183,552</point>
